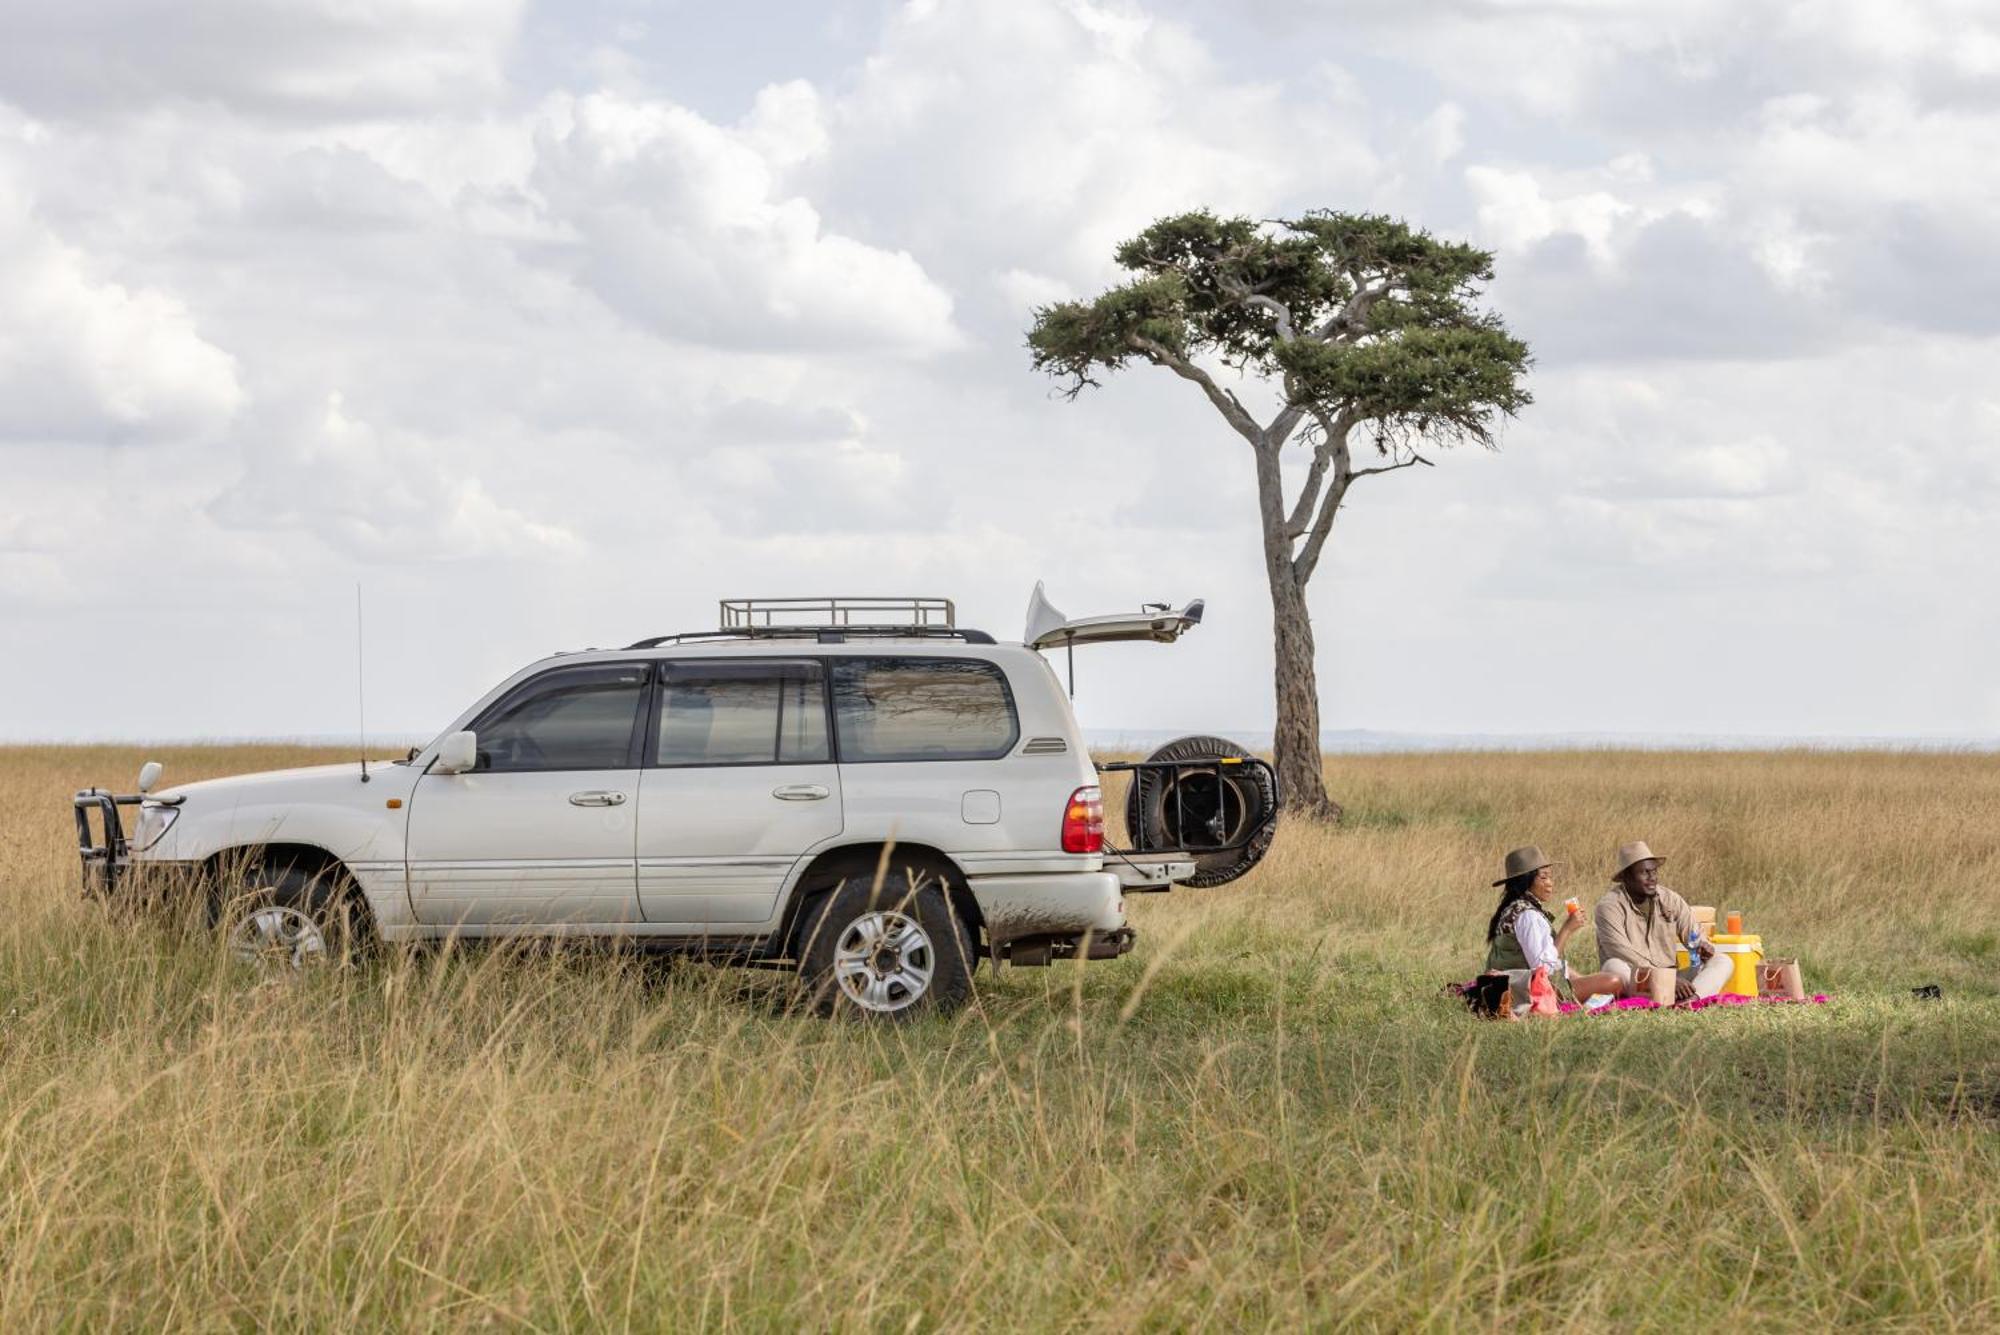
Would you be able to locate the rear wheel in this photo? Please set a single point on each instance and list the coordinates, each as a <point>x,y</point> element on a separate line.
<point>1204,807</point>
<point>886,952</point>
<point>281,918</point>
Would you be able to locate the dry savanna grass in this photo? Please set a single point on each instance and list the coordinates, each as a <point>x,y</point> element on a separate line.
<point>1264,1116</point>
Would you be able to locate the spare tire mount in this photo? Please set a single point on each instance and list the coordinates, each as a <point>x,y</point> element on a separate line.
<point>1204,798</point>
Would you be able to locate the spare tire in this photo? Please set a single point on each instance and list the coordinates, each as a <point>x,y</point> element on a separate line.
<point>1188,808</point>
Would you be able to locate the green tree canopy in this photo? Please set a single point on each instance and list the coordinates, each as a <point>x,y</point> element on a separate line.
<point>1354,316</point>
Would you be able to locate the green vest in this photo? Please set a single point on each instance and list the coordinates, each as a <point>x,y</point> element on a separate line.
<point>1504,950</point>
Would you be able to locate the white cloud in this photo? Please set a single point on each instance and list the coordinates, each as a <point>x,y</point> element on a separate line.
<point>840,485</point>
<point>686,227</point>
<point>378,495</point>
<point>294,57</point>
<point>1440,136</point>
<point>1514,213</point>
<point>1047,133</point>
<point>86,358</point>
<point>1026,290</point>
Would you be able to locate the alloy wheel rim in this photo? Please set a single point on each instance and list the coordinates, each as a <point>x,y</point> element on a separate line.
<point>277,935</point>
<point>884,962</point>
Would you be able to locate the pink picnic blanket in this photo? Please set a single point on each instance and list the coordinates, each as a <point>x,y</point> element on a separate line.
<point>1696,1004</point>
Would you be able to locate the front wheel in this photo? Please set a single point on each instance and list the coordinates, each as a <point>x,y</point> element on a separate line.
<point>886,951</point>
<point>287,918</point>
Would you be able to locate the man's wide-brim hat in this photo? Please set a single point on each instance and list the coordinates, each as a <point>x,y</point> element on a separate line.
<point>1631,853</point>
<point>1522,861</point>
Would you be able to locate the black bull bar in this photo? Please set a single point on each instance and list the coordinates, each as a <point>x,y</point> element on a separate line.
<point>105,850</point>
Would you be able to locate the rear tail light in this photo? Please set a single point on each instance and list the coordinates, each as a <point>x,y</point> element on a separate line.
<point>1083,821</point>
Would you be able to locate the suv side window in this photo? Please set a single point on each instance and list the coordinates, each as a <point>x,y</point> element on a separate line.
<point>922,709</point>
<point>742,714</point>
<point>580,718</point>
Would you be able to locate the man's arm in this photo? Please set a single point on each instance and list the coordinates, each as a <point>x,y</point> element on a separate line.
<point>1684,923</point>
<point>1611,940</point>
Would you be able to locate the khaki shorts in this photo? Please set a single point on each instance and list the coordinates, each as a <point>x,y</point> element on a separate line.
<point>1707,979</point>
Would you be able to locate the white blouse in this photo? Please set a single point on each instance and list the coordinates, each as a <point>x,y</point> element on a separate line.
<point>1538,942</point>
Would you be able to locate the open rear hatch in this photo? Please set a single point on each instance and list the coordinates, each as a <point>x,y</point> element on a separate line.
<point>1050,629</point>
<point>1201,810</point>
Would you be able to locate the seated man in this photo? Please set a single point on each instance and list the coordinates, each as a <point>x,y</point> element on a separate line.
<point>1640,923</point>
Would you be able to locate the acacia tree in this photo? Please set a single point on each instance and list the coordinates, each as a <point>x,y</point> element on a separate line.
<point>1369,330</point>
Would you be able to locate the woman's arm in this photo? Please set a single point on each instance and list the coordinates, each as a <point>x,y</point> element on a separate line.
<point>1572,924</point>
<point>1537,943</point>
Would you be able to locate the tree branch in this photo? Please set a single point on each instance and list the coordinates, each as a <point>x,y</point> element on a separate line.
<point>1225,402</point>
<point>1295,523</point>
<point>1329,506</point>
<point>1332,441</point>
<point>1282,426</point>
<point>1414,458</point>
<point>1349,319</point>
<point>1278,313</point>
<point>1248,296</point>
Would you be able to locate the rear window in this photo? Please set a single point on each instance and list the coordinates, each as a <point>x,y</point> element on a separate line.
<point>922,709</point>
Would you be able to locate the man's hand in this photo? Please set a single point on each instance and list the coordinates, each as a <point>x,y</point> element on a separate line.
<point>1683,990</point>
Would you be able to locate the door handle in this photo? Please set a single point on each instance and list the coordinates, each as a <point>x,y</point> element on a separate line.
<point>800,792</point>
<point>597,799</point>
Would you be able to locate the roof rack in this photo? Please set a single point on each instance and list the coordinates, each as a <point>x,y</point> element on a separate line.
<point>828,613</point>
<point>831,621</point>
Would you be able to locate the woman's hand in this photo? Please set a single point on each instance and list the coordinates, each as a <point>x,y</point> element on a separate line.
<point>1571,924</point>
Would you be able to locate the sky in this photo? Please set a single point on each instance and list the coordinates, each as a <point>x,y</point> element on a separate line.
<point>546,325</point>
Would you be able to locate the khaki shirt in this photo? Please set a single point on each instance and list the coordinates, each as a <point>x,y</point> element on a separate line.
<point>1644,936</point>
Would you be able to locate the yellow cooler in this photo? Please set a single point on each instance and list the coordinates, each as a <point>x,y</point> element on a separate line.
<point>1745,952</point>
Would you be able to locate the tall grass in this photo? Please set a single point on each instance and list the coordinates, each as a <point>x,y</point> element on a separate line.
<point>1264,1116</point>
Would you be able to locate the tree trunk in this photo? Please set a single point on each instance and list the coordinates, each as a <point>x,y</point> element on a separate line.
<point>1300,776</point>
<point>1301,783</point>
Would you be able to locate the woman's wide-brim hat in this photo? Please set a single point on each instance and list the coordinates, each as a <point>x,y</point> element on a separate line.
<point>1522,861</point>
<point>1629,854</point>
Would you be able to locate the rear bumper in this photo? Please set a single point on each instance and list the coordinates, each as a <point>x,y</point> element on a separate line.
<point>1052,904</point>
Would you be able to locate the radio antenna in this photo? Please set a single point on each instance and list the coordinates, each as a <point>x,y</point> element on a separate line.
<point>360,683</point>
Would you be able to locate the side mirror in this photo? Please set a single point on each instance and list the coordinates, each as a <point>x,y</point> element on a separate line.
<point>458,753</point>
<point>149,774</point>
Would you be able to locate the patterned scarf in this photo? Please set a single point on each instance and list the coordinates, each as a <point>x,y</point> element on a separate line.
<point>1512,914</point>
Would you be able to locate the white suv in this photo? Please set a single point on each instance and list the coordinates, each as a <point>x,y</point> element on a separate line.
<point>877,804</point>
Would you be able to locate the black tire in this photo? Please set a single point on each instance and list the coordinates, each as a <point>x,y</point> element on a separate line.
<point>1187,809</point>
<point>853,966</point>
<point>292,917</point>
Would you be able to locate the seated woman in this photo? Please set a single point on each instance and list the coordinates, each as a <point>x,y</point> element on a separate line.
<point>1521,935</point>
